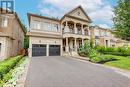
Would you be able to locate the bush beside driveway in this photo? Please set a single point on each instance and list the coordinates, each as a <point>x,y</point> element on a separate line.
<point>112,56</point>
<point>10,70</point>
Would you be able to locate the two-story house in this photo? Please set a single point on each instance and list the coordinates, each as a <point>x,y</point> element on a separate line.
<point>11,35</point>
<point>52,37</point>
<point>103,37</point>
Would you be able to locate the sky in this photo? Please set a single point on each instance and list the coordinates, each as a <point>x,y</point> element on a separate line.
<point>100,11</point>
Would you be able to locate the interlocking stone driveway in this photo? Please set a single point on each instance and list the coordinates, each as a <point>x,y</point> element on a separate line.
<point>69,72</point>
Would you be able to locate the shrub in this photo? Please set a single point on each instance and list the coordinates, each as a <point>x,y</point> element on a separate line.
<point>106,58</point>
<point>103,58</point>
<point>6,77</point>
<point>84,50</point>
<point>93,53</point>
<point>7,65</point>
<point>120,51</point>
<point>95,60</point>
<point>109,49</point>
<point>88,51</point>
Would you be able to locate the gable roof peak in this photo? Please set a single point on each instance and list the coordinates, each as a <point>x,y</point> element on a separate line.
<point>80,7</point>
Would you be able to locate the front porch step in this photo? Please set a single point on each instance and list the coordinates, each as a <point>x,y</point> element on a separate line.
<point>70,54</point>
<point>67,54</point>
<point>74,53</point>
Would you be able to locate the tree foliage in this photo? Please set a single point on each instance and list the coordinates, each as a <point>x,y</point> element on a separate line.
<point>122,19</point>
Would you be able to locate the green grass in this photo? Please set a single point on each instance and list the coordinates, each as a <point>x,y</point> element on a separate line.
<point>121,62</point>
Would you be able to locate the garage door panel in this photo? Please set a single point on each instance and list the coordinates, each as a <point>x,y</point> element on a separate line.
<point>54,50</point>
<point>38,50</point>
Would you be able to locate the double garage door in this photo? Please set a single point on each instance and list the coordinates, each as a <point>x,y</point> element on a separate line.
<point>41,50</point>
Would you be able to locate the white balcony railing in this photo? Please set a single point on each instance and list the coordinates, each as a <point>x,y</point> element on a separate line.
<point>79,32</point>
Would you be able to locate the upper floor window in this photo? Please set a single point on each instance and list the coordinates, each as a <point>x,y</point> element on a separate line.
<point>55,27</point>
<point>47,26</point>
<point>97,33</point>
<point>36,24</point>
<point>4,22</point>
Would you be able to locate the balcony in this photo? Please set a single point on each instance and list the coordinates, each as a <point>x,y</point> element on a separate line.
<point>78,32</point>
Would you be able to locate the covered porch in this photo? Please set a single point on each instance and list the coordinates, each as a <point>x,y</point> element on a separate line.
<point>71,44</point>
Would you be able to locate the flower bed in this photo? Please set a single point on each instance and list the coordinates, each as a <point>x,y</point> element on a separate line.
<point>17,73</point>
<point>9,69</point>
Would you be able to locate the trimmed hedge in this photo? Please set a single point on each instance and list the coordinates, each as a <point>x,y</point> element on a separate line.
<point>7,65</point>
<point>120,51</point>
<point>103,58</point>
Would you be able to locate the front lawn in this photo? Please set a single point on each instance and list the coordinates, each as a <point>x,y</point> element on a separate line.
<point>112,56</point>
<point>120,62</point>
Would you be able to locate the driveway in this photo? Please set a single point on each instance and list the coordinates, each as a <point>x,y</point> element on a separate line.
<point>69,72</point>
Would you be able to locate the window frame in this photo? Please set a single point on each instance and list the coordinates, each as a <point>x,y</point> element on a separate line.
<point>4,22</point>
<point>36,24</point>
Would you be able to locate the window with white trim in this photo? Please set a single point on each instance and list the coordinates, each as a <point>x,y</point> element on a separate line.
<point>47,26</point>
<point>55,27</point>
<point>97,33</point>
<point>36,24</point>
<point>4,22</point>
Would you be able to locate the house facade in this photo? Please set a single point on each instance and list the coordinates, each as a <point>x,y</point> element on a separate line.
<point>53,37</point>
<point>11,35</point>
<point>103,37</point>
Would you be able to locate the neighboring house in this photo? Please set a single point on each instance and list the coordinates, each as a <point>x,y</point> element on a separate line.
<point>121,43</point>
<point>103,37</point>
<point>11,35</point>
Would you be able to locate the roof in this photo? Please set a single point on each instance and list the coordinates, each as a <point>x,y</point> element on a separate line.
<point>80,7</point>
<point>101,28</point>
<point>66,15</point>
<point>14,13</point>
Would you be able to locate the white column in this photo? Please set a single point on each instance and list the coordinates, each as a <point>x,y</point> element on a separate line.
<point>61,28</point>
<point>66,27</point>
<point>67,46</point>
<point>82,29</point>
<point>88,31</point>
<point>75,28</point>
<point>75,44</point>
<point>82,42</point>
<point>47,50</point>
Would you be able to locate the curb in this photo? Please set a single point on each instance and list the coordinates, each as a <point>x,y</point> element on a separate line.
<point>123,72</point>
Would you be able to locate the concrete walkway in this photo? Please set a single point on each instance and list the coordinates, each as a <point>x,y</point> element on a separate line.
<point>69,72</point>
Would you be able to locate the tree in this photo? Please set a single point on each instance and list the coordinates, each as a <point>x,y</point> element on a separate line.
<point>26,38</point>
<point>122,19</point>
<point>26,42</point>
